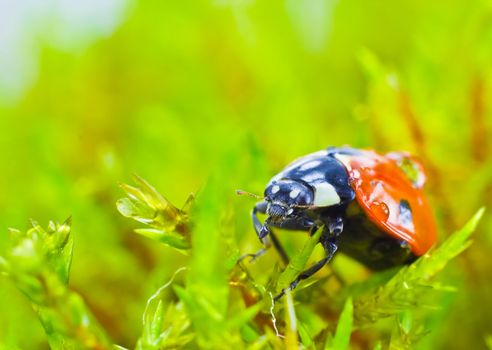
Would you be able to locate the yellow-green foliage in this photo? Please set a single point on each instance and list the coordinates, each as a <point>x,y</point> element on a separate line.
<point>211,96</point>
<point>204,315</point>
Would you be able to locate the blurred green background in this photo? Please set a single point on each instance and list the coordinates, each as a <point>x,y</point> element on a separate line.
<point>92,92</point>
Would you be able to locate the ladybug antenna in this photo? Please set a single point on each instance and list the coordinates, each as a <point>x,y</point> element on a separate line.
<point>244,193</point>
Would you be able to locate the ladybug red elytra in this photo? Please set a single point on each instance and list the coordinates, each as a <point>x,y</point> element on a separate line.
<point>372,206</point>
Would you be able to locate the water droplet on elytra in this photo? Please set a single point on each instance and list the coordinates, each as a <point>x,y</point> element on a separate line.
<point>381,210</point>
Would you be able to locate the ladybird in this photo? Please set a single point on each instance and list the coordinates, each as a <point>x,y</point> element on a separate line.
<point>371,206</point>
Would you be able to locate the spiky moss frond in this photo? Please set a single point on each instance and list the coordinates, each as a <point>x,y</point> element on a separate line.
<point>164,325</point>
<point>168,224</point>
<point>409,288</point>
<point>38,263</point>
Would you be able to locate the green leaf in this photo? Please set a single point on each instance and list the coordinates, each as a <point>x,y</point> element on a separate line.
<point>62,244</point>
<point>244,316</point>
<point>306,338</point>
<point>156,324</point>
<point>341,340</point>
<point>488,341</point>
<point>298,262</point>
<point>169,238</point>
<point>290,340</point>
<point>119,347</point>
<point>408,332</point>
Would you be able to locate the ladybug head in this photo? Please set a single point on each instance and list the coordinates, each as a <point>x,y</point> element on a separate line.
<point>284,196</point>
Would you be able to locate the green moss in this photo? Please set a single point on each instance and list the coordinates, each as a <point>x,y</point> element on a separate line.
<point>205,313</point>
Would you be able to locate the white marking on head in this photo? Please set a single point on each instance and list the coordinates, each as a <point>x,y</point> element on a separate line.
<point>310,165</point>
<point>325,195</point>
<point>294,193</point>
<point>275,189</point>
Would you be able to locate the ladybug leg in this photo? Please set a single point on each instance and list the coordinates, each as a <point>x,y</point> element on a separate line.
<point>252,256</point>
<point>335,226</point>
<point>276,244</point>
<point>280,250</point>
<point>261,229</point>
<point>263,232</point>
<point>297,224</point>
<point>330,246</point>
